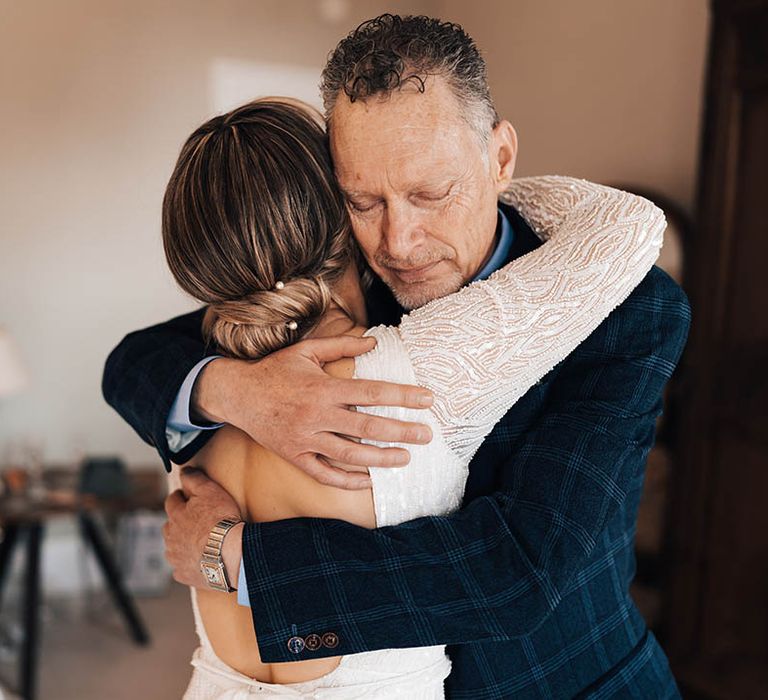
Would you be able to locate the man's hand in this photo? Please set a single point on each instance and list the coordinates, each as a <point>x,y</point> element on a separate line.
<point>287,403</point>
<point>192,513</point>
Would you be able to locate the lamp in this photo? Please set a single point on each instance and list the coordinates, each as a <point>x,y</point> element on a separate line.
<point>13,378</point>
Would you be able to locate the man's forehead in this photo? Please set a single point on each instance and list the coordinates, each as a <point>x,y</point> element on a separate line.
<point>400,136</point>
<point>404,108</point>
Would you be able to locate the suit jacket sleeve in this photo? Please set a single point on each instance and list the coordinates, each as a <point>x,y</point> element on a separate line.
<point>497,568</point>
<point>143,374</point>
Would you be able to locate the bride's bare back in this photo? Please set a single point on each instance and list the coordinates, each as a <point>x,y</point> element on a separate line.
<point>268,488</point>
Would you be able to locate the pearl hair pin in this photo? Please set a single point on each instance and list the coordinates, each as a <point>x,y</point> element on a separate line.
<point>290,325</point>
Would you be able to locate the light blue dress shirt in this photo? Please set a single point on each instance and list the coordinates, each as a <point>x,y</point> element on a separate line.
<point>180,430</point>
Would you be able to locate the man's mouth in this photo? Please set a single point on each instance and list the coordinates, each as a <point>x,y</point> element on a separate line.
<point>413,275</point>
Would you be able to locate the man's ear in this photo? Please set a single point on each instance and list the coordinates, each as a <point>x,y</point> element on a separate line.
<point>503,154</point>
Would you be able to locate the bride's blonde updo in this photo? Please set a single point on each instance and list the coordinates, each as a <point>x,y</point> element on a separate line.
<point>255,226</point>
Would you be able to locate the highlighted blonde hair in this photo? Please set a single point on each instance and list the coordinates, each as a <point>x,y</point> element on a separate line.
<point>252,202</point>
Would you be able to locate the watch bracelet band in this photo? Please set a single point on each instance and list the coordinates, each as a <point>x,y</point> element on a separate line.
<point>216,537</point>
<point>213,546</point>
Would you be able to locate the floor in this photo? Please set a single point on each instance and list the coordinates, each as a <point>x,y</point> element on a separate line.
<point>87,654</point>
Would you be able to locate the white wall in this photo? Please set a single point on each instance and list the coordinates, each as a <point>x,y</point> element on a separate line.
<point>96,98</point>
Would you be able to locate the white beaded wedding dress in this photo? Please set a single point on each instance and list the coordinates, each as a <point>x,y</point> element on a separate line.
<point>479,351</point>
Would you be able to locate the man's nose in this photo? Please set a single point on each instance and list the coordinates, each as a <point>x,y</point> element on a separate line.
<point>402,231</point>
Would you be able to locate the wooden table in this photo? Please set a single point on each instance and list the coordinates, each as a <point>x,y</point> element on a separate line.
<point>22,518</point>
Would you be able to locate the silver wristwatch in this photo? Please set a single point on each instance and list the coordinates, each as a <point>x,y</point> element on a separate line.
<point>211,564</point>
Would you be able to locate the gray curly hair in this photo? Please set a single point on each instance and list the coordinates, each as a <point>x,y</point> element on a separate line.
<point>387,52</point>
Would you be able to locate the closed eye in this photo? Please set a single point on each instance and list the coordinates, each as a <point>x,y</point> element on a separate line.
<point>359,207</point>
<point>430,196</point>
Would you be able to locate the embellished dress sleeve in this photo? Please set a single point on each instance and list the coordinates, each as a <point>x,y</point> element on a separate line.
<point>481,349</point>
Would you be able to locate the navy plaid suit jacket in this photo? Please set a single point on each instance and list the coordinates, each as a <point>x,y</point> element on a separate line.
<point>528,583</point>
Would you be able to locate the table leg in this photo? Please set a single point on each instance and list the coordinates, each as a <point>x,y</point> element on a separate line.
<point>119,593</point>
<point>29,648</point>
<point>7,546</point>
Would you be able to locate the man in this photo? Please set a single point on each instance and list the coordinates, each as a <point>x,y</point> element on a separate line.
<point>528,582</point>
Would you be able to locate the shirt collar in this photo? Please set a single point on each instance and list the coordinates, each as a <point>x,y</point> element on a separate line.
<point>501,253</point>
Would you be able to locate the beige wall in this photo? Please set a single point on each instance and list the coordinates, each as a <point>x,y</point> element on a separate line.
<point>96,98</point>
<point>609,90</point>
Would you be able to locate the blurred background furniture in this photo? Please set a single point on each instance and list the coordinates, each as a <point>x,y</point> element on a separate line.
<point>716,603</point>
<point>23,518</point>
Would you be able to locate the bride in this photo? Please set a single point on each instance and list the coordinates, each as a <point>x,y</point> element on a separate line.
<point>255,227</point>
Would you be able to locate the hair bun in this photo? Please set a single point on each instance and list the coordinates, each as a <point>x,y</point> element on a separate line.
<point>265,321</point>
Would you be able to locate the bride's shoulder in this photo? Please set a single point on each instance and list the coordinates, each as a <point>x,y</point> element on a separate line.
<point>341,369</point>
<point>389,360</point>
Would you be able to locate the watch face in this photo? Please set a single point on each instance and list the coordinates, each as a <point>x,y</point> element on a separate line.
<point>212,572</point>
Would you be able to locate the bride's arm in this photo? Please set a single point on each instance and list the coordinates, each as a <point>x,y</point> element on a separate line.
<point>482,348</point>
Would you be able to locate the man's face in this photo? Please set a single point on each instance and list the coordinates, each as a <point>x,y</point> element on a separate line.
<point>421,193</point>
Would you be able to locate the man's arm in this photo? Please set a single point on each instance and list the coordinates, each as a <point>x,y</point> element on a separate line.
<point>284,401</point>
<point>143,374</point>
<point>497,568</point>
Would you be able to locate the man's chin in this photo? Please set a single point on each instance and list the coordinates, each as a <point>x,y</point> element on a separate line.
<point>412,296</point>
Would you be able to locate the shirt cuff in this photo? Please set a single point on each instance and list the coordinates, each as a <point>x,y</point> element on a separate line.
<point>242,587</point>
<point>178,417</point>
<point>179,428</point>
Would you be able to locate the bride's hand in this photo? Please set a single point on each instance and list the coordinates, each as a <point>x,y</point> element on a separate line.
<point>287,403</point>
